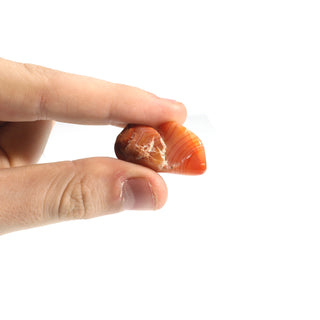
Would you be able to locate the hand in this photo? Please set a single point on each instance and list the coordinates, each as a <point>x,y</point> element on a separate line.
<point>31,98</point>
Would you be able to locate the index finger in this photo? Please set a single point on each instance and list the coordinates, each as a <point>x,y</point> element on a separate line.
<point>29,92</point>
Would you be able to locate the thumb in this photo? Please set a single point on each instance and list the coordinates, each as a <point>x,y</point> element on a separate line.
<point>47,193</point>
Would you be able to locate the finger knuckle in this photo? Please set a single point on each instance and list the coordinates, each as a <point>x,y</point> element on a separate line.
<point>40,76</point>
<point>75,201</point>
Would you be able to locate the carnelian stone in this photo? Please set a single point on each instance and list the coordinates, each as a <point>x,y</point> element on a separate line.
<point>168,148</point>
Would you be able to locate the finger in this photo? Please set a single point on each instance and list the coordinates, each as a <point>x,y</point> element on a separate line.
<point>30,93</point>
<point>22,143</point>
<point>47,193</point>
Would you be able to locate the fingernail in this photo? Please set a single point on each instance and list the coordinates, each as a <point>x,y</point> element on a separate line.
<point>173,101</point>
<point>137,195</point>
<point>166,100</point>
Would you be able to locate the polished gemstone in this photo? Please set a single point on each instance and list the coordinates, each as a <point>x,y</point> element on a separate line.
<point>168,148</point>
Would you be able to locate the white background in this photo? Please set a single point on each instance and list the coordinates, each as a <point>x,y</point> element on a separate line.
<point>241,241</point>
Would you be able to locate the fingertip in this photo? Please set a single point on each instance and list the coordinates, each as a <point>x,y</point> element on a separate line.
<point>181,112</point>
<point>144,192</point>
<point>173,110</point>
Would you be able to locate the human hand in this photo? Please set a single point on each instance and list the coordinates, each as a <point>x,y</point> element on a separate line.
<point>31,98</point>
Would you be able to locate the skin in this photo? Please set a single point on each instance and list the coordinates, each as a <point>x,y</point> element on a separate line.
<point>31,99</point>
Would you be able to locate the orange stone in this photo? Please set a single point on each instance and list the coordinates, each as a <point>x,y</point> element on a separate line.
<point>168,148</point>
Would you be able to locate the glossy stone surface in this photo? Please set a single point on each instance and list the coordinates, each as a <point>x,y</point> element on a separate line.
<point>168,148</point>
